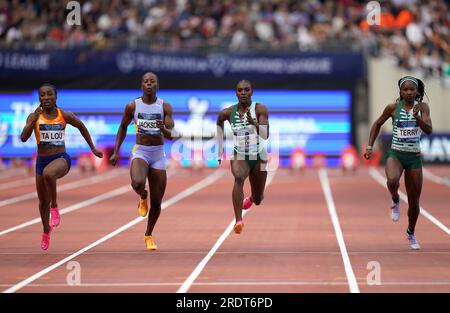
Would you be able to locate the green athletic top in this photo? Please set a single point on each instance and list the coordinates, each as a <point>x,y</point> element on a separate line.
<point>406,131</point>
<point>245,136</point>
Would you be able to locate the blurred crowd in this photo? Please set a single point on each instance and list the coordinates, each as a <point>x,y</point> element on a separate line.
<point>412,33</point>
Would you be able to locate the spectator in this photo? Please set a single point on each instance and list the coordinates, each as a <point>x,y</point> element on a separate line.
<point>410,29</point>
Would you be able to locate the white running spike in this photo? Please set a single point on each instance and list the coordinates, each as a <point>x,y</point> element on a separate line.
<point>413,241</point>
<point>395,211</point>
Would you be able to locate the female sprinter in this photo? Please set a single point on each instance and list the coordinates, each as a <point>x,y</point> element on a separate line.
<point>249,121</point>
<point>153,122</point>
<point>410,116</point>
<point>49,124</point>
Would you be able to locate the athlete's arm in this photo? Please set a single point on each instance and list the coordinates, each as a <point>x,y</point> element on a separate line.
<point>223,116</point>
<point>424,119</point>
<point>76,122</point>
<point>167,125</point>
<point>30,124</point>
<point>262,126</point>
<point>122,132</point>
<point>375,130</point>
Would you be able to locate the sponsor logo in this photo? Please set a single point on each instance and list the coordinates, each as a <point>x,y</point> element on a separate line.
<point>125,62</point>
<point>218,63</point>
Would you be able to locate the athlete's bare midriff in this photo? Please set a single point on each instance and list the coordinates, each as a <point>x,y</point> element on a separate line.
<point>49,150</point>
<point>149,140</point>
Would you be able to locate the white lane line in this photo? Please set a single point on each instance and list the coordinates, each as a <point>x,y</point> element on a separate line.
<point>434,178</point>
<point>105,196</point>
<point>238,283</point>
<point>186,193</point>
<point>13,172</point>
<point>24,181</point>
<point>382,181</point>
<point>199,268</point>
<point>17,183</point>
<point>353,284</point>
<point>67,186</point>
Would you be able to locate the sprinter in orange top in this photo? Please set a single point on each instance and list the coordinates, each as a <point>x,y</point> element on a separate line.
<point>49,124</point>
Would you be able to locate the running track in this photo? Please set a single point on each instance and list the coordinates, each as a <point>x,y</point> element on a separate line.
<point>315,232</point>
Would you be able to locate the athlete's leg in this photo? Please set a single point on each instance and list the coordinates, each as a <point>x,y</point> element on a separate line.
<point>44,202</point>
<point>55,169</point>
<point>240,170</point>
<point>413,184</point>
<point>157,180</point>
<point>394,170</point>
<point>138,173</point>
<point>257,177</point>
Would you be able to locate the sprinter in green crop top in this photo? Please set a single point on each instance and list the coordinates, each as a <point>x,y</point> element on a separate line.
<point>250,126</point>
<point>410,116</point>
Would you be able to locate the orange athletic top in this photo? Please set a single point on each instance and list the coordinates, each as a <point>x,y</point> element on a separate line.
<point>51,132</point>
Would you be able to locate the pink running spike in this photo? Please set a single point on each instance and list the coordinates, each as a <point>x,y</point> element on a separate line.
<point>45,240</point>
<point>55,218</point>
<point>247,203</point>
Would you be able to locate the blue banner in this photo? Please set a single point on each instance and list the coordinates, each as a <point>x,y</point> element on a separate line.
<point>67,63</point>
<point>317,121</point>
<point>436,148</point>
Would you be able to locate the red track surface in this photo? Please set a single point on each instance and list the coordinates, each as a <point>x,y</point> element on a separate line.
<point>288,244</point>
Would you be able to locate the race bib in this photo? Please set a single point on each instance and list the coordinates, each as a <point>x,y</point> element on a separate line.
<point>408,132</point>
<point>147,123</point>
<point>246,142</point>
<point>53,135</point>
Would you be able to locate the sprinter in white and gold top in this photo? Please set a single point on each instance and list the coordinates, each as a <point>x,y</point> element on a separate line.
<point>153,122</point>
